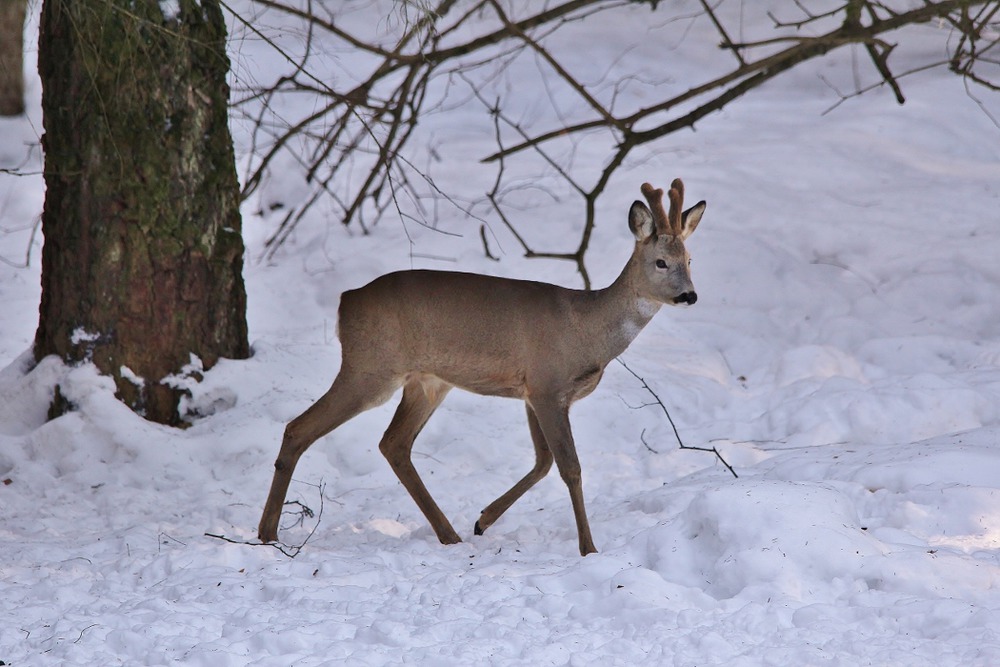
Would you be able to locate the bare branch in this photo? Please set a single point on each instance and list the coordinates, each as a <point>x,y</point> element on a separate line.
<point>727,42</point>
<point>355,147</point>
<point>680,443</point>
<point>559,69</point>
<point>750,75</point>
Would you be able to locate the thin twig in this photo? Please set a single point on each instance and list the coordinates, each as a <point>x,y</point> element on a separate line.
<point>645,385</point>
<point>727,42</point>
<point>288,550</point>
<point>486,244</point>
<point>77,640</point>
<point>35,226</point>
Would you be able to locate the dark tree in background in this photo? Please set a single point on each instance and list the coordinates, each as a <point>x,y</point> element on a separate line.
<point>143,255</point>
<point>12,56</point>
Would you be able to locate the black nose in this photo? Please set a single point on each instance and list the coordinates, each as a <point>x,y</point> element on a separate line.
<point>687,297</point>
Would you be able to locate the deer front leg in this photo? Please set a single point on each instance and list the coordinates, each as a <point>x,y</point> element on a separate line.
<point>284,466</point>
<point>543,463</point>
<point>421,396</point>
<point>553,418</point>
<point>349,395</point>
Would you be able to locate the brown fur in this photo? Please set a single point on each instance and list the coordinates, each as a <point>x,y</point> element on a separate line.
<point>429,331</point>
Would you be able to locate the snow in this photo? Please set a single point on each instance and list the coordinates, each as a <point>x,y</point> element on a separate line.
<point>170,9</point>
<point>843,356</point>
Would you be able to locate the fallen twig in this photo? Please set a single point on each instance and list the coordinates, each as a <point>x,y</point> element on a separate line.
<point>291,551</point>
<point>713,450</point>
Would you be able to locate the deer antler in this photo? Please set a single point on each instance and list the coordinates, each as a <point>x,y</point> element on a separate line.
<point>666,223</point>
<point>655,198</point>
<point>676,195</point>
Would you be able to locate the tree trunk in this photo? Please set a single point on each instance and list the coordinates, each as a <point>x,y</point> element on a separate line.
<point>143,255</point>
<point>12,56</point>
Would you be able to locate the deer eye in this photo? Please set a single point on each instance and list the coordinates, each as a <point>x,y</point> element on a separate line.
<point>660,264</point>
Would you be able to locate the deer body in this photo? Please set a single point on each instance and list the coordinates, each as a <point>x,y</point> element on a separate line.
<point>429,331</point>
<point>506,355</point>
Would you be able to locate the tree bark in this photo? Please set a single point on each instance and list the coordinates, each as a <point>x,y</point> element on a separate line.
<point>12,14</point>
<point>143,255</point>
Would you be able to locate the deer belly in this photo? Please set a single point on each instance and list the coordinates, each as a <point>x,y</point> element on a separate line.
<point>489,382</point>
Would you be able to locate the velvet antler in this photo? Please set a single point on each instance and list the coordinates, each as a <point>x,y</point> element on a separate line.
<point>666,223</point>
<point>655,198</point>
<point>676,195</point>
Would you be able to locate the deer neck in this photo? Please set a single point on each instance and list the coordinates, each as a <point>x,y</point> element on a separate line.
<point>621,311</point>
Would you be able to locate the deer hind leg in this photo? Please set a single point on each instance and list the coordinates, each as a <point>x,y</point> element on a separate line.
<point>553,418</point>
<point>350,395</point>
<point>421,396</point>
<point>543,463</point>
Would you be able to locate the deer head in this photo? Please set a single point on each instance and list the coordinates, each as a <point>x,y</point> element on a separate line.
<point>663,261</point>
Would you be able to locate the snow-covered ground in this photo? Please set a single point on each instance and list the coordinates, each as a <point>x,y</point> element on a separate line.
<point>843,356</point>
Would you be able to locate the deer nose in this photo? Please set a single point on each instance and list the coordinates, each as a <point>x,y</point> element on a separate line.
<point>687,297</point>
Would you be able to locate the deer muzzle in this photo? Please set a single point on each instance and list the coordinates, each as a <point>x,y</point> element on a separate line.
<point>687,297</point>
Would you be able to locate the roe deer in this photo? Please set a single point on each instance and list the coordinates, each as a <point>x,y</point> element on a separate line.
<point>429,331</point>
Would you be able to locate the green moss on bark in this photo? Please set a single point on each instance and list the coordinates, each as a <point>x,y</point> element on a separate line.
<point>141,222</point>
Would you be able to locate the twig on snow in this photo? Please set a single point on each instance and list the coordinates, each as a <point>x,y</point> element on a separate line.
<point>645,385</point>
<point>77,640</point>
<point>304,512</point>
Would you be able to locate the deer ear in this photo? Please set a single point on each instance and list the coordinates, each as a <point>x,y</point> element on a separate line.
<point>691,218</point>
<point>640,221</point>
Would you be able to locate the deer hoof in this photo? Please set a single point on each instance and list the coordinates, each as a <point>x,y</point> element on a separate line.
<point>479,530</point>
